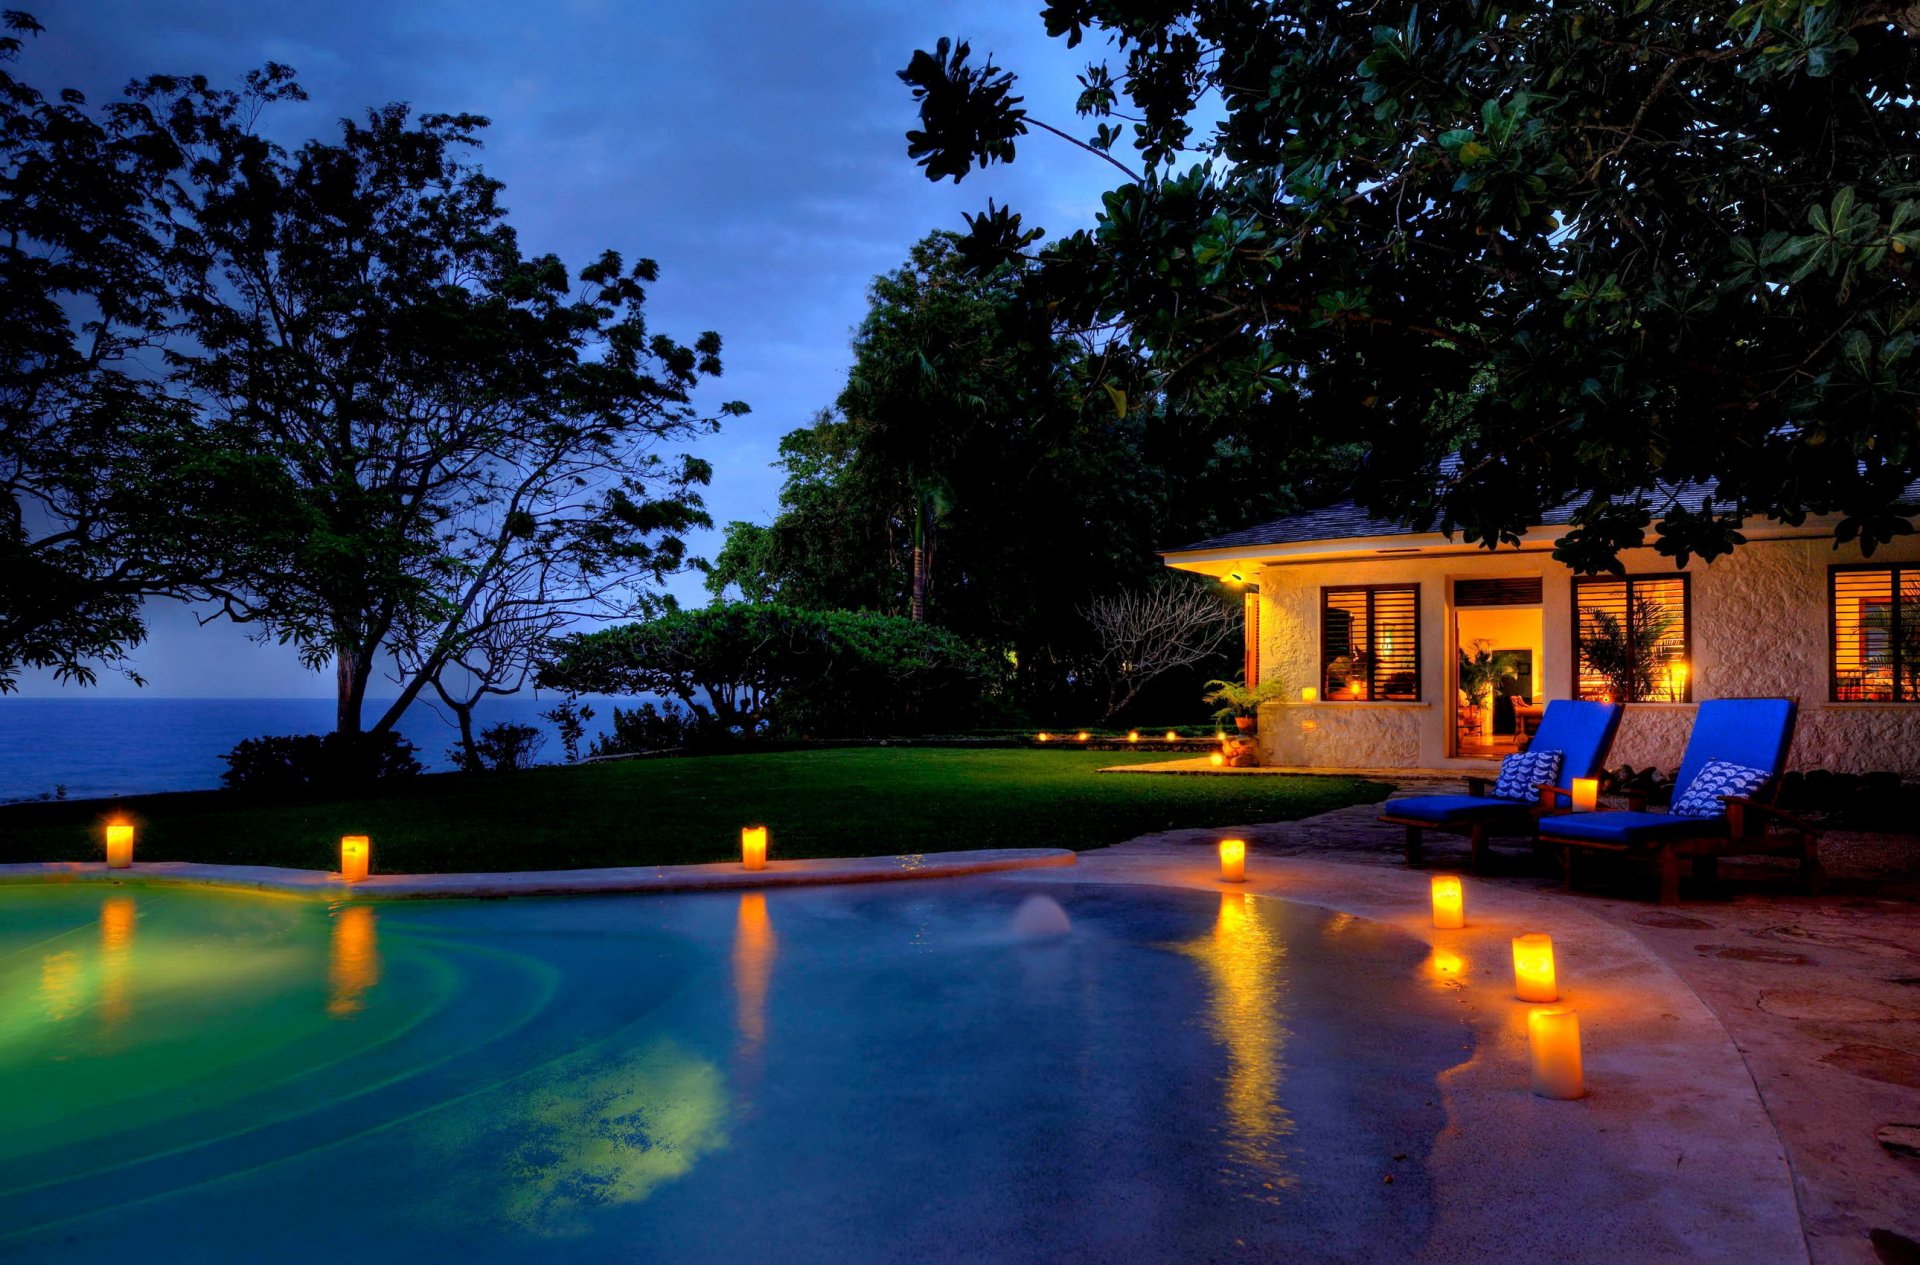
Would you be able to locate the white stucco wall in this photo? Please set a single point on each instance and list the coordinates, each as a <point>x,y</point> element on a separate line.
<point>1759,629</point>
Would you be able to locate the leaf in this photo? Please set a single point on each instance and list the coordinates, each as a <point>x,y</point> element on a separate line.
<point>1118,397</point>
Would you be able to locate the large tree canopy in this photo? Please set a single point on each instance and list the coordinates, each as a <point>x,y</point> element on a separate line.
<point>1595,250</point>
<point>461,442</point>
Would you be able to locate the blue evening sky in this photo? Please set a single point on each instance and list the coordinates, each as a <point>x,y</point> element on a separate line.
<point>753,147</point>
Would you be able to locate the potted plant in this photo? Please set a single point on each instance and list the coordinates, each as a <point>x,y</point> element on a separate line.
<point>1241,702</point>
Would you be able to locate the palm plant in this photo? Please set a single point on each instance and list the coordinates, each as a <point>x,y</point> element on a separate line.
<point>1631,653</point>
<point>1233,700</point>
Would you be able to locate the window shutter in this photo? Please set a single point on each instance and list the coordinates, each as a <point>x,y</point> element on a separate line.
<point>1874,644</point>
<point>1633,639</point>
<point>1370,643</point>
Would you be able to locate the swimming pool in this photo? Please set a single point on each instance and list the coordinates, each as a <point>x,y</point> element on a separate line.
<point>960,1069</point>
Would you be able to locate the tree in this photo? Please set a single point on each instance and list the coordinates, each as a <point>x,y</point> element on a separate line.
<point>94,455</point>
<point>458,444</point>
<point>1593,250</point>
<point>1147,632</point>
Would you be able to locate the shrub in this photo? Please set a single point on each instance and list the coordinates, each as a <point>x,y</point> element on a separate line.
<point>743,668</point>
<point>505,747</point>
<point>648,727</point>
<point>327,762</point>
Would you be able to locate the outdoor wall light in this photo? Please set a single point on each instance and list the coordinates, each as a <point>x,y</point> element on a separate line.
<point>1233,860</point>
<point>1533,968</point>
<point>753,847</point>
<point>1449,903</point>
<point>1553,1039</point>
<point>356,857</point>
<point>119,844</point>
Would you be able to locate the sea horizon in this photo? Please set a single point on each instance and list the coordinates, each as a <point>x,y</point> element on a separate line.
<point>90,747</point>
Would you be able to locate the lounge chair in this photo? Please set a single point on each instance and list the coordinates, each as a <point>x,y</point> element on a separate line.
<point>1581,732</point>
<point>1753,733</point>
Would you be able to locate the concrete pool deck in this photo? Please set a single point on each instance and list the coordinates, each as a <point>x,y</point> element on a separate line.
<point>720,876</point>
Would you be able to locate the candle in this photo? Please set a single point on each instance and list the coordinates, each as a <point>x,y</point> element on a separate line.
<point>1308,694</point>
<point>119,844</point>
<point>1586,794</point>
<point>1449,903</point>
<point>753,847</point>
<point>1533,968</point>
<point>1133,735</point>
<point>1172,736</point>
<point>1216,759</point>
<point>1233,860</point>
<point>356,857</point>
<point>1553,1038</point>
<point>1083,735</point>
<point>1046,737</point>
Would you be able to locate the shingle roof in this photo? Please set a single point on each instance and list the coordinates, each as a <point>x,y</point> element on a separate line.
<point>1347,521</point>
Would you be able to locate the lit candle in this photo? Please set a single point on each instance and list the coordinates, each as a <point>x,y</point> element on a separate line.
<point>1553,1037</point>
<point>1586,794</point>
<point>356,857</point>
<point>1046,737</point>
<point>1308,694</point>
<point>119,844</point>
<point>1133,735</point>
<point>1083,735</point>
<point>753,847</point>
<point>1449,904</point>
<point>1233,860</point>
<point>1533,968</point>
<point>1172,736</point>
<point>1216,759</point>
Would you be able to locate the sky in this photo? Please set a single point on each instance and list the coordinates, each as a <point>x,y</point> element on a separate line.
<point>754,148</point>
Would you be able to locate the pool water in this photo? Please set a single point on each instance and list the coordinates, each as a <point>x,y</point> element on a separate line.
<point>973,1069</point>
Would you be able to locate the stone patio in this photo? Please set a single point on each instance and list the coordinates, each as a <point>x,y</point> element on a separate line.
<point>1821,996</point>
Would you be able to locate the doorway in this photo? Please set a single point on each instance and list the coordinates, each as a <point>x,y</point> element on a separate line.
<point>1498,636</point>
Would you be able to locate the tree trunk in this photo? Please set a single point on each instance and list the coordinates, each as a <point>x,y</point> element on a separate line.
<point>918,608</point>
<point>350,669</point>
<point>469,749</point>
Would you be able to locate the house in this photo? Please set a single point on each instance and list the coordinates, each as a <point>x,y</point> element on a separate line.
<point>1373,629</point>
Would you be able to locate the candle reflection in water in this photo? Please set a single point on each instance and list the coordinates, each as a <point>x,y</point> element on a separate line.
<point>353,964</point>
<point>117,914</point>
<point>1244,961</point>
<point>753,948</point>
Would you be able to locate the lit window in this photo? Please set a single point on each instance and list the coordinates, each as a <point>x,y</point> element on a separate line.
<point>1633,636</point>
<point>1875,641</point>
<point>1370,643</point>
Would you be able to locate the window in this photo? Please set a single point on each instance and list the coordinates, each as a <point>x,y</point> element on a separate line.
<point>1875,641</point>
<point>1633,638</point>
<point>1370,643</point>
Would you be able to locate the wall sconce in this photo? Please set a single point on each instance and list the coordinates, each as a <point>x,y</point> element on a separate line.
<point>1553,1039</point>
<point>1533,968</point>
<point>356,857</point>
<point>1233,860</point>
<point>119,844</point>
<point>1449,903</point>
<point>753,847</point>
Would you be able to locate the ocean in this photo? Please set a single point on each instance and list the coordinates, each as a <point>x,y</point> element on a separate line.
<point>94,747</point>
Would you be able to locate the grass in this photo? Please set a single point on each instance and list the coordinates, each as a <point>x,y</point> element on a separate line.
<point>861,802</point>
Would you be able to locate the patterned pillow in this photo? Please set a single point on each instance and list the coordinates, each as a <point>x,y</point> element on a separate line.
<point>1522,771</point>
<point>1717,778</point>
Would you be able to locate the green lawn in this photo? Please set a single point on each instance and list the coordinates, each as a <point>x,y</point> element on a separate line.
<point>674,811</point>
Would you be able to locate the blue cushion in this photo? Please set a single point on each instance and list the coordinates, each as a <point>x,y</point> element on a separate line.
<point>1582,732</point>
<point>1628,828</point>
<point>1754,732</point>
<point>1524,772</point>
<point>1717,778</point>
<point>1442,810</point>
